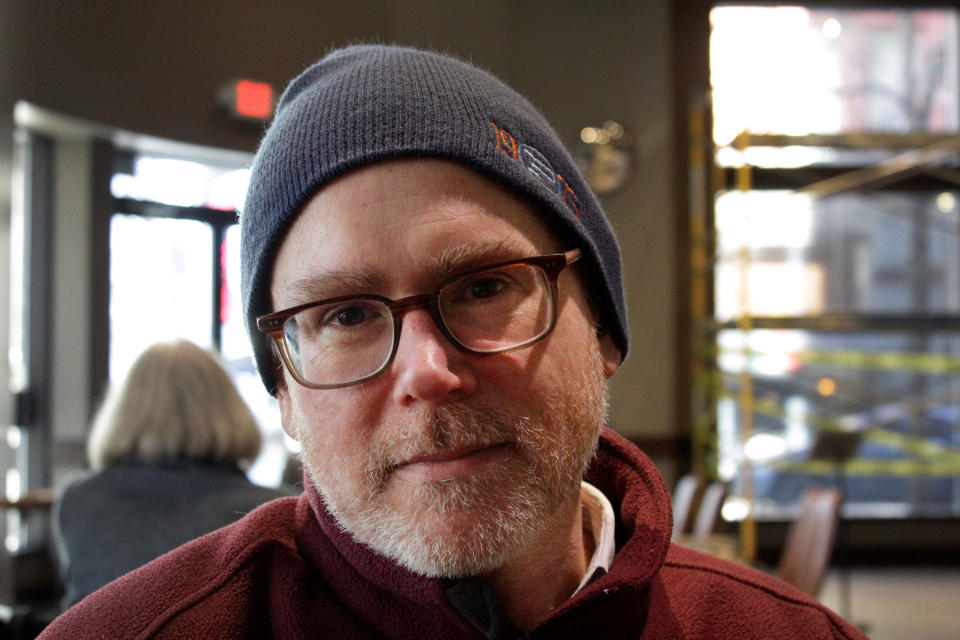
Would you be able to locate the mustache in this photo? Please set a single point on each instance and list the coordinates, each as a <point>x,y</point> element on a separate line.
<point>443,428</point>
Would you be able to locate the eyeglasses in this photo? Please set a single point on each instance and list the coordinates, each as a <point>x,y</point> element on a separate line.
<point>338,342</point>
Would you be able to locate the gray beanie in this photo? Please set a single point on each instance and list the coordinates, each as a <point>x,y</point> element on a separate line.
<point>366,103</point>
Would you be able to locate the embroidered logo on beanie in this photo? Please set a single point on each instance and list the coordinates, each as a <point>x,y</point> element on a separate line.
<point>537,164</point>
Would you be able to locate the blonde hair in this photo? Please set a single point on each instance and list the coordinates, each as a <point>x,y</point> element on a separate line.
<point>177,402</point>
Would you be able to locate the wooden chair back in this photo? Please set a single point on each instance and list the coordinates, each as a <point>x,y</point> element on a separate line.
<point>809,544</point>
<point>684,495</point>
<point>708,514</point>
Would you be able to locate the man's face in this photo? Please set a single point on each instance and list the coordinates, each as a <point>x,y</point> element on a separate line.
<point>449,462</point>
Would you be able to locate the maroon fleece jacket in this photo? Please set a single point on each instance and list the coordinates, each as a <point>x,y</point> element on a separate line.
<point>286,570</point>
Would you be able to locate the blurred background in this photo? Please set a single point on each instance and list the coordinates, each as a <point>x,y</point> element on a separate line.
<point>783,180</point>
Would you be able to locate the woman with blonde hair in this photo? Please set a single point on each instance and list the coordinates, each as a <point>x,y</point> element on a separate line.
<point>167,450</point>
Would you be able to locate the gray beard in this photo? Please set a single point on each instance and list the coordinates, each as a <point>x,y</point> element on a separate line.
<point>472,525</point>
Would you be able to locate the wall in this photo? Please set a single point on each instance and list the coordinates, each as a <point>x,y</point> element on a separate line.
<point>153,68</point>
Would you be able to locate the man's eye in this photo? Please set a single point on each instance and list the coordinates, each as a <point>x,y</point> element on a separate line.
<point>485,288</point>
<point>348,316</point>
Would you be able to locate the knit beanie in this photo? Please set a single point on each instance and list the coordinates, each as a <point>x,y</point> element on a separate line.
<point>366,103</point>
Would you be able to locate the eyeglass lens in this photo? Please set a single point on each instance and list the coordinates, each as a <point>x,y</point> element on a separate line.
<point>484,312</point>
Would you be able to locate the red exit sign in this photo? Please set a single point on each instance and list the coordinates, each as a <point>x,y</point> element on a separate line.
<point>248,99</point>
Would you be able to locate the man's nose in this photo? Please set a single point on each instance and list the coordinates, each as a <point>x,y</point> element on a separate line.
<point>427,366</point>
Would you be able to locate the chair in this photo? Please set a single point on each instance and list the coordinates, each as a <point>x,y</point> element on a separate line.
<point>683,496</point>
<point>809,544</point>
<point>708,514</point>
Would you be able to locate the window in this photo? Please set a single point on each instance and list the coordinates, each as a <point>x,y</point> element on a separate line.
<point>837,266</point>
<point>159,285</point>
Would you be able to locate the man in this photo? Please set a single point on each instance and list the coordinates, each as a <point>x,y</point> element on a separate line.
<point>434,296</point>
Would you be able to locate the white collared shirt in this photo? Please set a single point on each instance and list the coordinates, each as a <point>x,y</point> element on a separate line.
<point>599,522</point>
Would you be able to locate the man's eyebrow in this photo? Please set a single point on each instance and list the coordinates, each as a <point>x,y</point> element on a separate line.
<point>476,254</point>
<point>330,284</point>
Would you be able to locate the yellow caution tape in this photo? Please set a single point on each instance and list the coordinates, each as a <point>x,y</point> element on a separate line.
<point>871,467</point>
<point>870,360</point>
<point>926,456</point>
<point>925,362</point>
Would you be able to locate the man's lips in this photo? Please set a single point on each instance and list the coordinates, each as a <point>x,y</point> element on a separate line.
<point>450,463</point>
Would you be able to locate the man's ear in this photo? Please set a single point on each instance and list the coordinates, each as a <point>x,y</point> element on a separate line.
<point>609,353</point>
<point>287,420</point>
